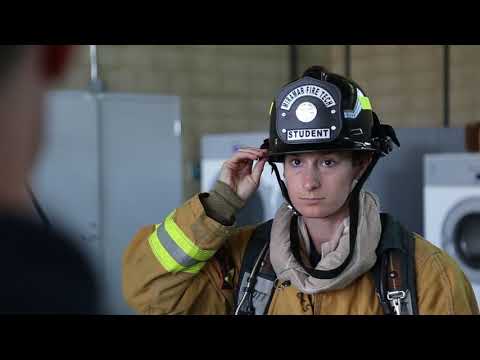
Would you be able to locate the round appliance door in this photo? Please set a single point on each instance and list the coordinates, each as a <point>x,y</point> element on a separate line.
<point>461,236</point>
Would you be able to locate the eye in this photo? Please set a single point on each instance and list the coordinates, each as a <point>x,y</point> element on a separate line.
<point>296,162</point>
<point>328,163</point>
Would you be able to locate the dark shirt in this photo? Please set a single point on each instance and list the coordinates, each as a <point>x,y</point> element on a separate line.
<point>41,271</point>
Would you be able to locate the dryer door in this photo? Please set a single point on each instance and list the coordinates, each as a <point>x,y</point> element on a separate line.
<point>461,236</point>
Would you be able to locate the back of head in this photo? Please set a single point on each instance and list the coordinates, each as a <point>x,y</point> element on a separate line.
<point>26,71</point>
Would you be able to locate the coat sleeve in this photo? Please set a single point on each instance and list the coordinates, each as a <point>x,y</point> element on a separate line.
<point>442,287</point>
<point>188,264</point>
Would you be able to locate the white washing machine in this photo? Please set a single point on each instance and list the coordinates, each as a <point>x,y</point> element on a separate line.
<point>452,209</point>
<point>217,148</point>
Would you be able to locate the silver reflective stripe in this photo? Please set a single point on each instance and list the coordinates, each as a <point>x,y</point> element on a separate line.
<point>352,114</point>
<point>173,249</point>
<point>261,296</point>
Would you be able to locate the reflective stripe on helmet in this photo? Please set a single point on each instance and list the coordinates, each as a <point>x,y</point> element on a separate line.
<point>174,250</point>
<point>362,103</point>
<point>365,102</point>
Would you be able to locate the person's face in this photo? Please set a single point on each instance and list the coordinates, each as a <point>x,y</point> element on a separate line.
<point>319,183</point>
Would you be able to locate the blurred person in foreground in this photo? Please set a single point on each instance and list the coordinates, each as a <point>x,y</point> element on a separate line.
<point>41,271</point>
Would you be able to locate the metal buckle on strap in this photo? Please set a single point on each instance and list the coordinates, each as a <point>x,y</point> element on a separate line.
<point>292,209</point>
<point>396,299</point>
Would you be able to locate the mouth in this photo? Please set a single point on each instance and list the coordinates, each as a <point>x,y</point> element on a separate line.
<point>312,199</point>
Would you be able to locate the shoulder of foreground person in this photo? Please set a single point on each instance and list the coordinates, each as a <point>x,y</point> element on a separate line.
<point>42,271</point>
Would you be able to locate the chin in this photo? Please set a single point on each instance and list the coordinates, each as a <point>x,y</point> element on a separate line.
<point>315,211</point>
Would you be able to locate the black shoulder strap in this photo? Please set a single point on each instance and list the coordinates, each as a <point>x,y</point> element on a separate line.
<point>395,242</point>
<point>259,239</point>
<point>396,260</point>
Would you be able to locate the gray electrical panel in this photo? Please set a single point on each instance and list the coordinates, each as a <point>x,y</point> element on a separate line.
<point>111,164</point>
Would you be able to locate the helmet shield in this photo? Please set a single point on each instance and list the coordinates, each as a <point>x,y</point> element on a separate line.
<point>308,111</point>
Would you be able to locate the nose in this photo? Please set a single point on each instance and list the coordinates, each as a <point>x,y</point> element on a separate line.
<point>311,179</point>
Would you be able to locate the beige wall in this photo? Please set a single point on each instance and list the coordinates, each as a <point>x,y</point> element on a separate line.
<point>222,88</point>
<point>229,88</point>
<point>330,56</point>
<point>404,83</point>
<point>464,84</point>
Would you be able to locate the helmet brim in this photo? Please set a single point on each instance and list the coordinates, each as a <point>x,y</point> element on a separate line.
<point>279,156</point>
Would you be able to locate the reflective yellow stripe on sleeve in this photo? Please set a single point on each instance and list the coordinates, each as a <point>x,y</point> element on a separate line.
<point>174,250</point>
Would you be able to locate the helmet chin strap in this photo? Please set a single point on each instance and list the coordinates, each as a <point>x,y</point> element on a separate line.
<point>353,200</point>
<point>283,188</point>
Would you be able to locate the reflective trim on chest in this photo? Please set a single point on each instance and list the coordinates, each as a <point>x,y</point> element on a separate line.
<point>261,296</point>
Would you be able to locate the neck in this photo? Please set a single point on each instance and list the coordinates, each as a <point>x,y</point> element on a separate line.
<point>322,230</point>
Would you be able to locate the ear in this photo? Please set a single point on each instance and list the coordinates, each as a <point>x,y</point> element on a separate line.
<point>55,60</point>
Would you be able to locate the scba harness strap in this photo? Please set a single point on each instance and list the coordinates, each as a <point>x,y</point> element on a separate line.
<point>394,272</point>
